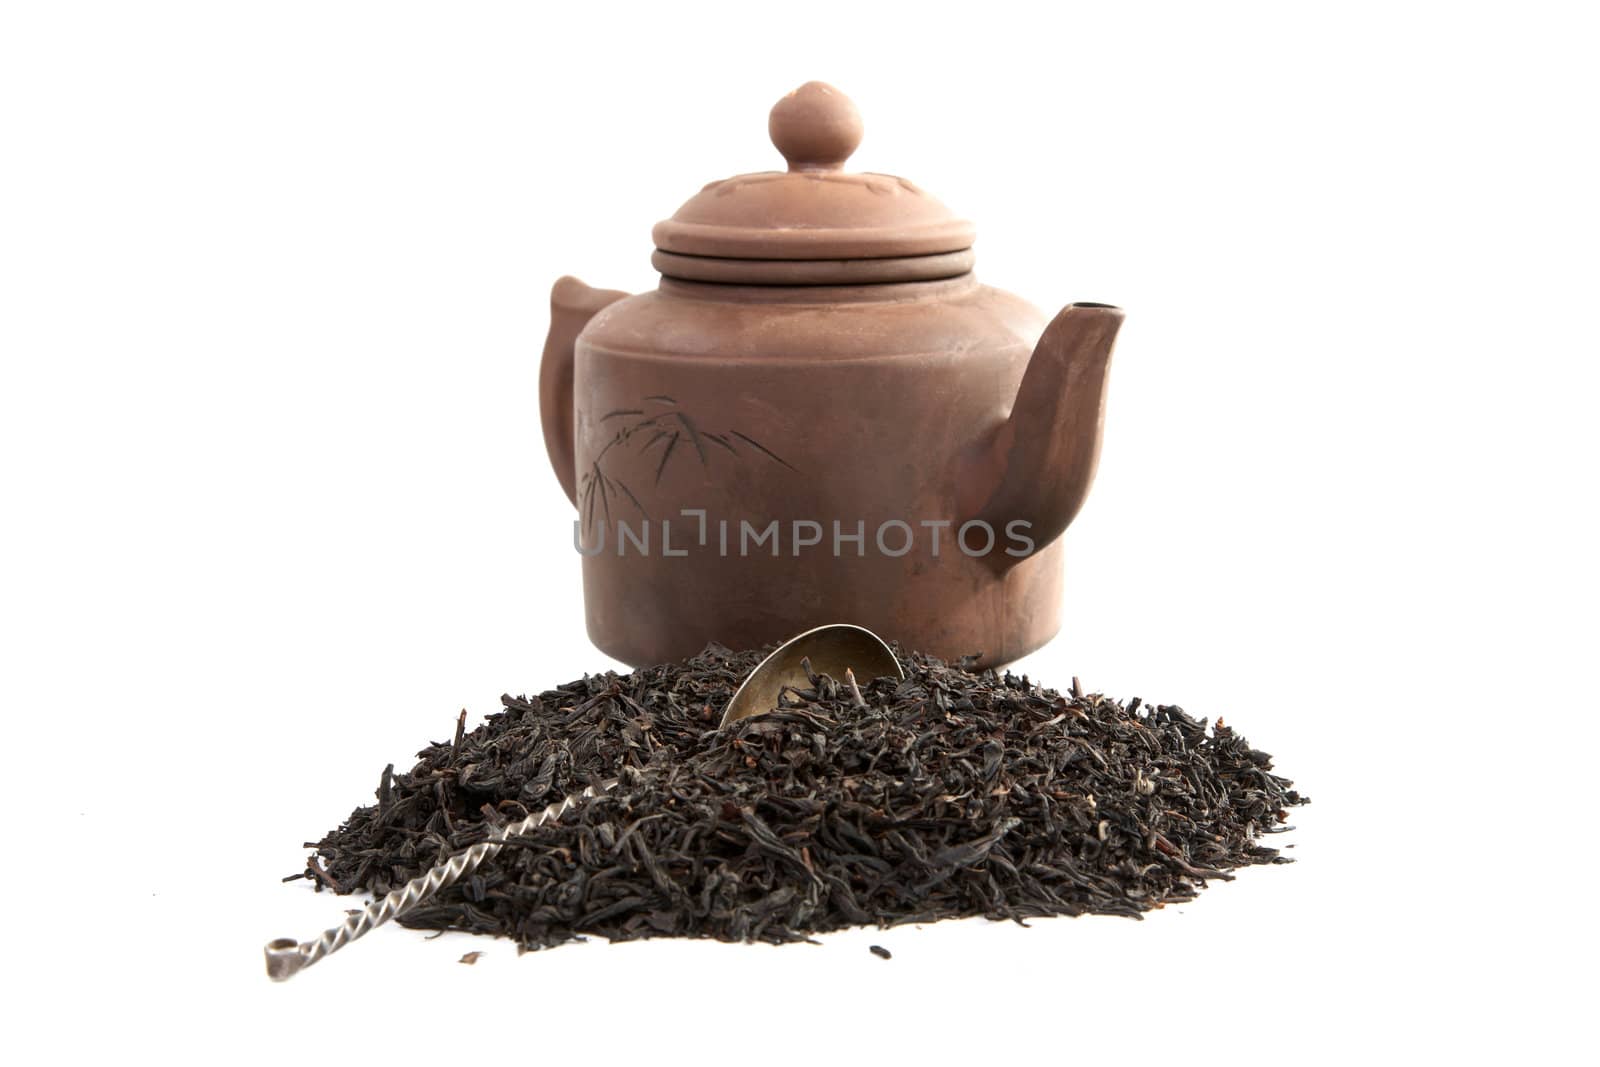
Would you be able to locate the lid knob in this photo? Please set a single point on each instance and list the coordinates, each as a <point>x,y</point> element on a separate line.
<point>816,127</point>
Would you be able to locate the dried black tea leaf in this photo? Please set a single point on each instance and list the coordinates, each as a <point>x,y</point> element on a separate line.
<point>951,793</point>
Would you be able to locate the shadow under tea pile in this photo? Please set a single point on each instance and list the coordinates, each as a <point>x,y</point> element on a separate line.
<point>952,793</point>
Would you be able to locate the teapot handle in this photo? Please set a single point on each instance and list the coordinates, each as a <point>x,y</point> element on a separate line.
<point>572,305</point>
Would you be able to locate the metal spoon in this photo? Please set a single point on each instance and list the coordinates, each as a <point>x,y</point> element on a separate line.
<point>840,651</point>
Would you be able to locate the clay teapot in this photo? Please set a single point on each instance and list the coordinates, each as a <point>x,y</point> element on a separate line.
<point>820,416</point>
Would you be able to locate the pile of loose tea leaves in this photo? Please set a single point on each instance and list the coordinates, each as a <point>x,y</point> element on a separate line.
<point>951,793</point>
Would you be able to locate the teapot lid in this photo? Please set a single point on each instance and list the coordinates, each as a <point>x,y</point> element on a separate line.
<point>814,224</point>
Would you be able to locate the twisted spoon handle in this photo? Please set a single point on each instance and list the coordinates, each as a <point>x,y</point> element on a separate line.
<point>287,957</point>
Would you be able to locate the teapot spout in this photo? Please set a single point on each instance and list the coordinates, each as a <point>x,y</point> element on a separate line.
<point>1037,466</point>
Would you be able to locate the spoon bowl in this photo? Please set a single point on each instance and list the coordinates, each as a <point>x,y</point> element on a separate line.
<point>831,650</point>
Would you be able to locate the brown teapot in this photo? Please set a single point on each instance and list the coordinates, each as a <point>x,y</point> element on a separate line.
<point>819,416</point>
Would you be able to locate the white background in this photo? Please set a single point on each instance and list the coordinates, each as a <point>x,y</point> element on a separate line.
<point>273,284</point>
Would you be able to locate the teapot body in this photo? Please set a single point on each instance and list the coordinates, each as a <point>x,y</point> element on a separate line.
<point>752,461</point>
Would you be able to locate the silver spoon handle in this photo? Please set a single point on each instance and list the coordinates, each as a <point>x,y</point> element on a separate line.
<point>287,957</point>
